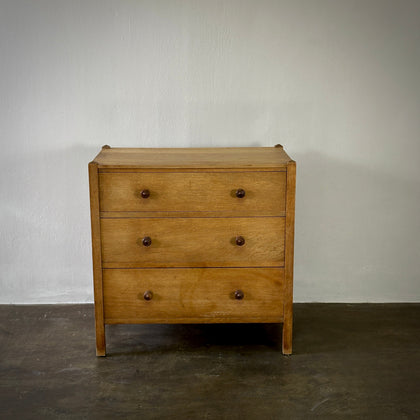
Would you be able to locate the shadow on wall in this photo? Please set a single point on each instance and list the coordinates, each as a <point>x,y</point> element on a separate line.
<point>357,232</point>
<point>45,253</point>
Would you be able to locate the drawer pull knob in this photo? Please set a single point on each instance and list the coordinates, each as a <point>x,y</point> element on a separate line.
<point>148,295</point>
<point>145,194</point>
<point>239,294</point>
<point>240,240</point>
<point>147,241</point>
<point>240,193</point>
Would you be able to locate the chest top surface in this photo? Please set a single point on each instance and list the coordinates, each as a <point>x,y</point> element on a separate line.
<point>190,158</point>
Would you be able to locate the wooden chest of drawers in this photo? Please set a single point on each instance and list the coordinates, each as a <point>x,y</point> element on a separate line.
<point>192,236</point>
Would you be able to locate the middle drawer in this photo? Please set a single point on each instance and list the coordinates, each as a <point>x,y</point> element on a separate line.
<point>193,242</point>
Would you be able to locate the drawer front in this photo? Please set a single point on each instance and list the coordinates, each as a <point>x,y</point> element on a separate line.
<point>193,242</point>
<point>264,192</point>
<point>193,295</point>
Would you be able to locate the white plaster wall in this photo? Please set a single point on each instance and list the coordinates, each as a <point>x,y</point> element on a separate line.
<point>337,82</point>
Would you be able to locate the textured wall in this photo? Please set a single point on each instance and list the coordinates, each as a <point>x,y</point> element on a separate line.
<point>336,82</point>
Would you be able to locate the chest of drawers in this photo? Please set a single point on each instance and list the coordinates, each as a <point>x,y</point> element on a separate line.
<point>192,236</point>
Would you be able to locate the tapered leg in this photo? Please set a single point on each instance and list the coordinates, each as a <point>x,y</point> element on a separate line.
<point>287,336</point>
<point>100,340</point>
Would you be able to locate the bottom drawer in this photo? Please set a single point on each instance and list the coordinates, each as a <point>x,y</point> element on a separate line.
<point>193,295</point>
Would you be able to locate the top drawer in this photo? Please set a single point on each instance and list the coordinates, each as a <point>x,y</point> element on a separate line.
<point>203,191</point>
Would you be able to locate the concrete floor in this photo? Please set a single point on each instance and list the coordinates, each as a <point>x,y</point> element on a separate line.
<point>350,361</point>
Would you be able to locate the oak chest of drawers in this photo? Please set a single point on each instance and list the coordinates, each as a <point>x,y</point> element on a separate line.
<point>192,236</point>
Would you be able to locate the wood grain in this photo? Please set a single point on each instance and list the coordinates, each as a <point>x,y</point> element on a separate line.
<point>96,257</point>
<point>265,192</point>
<point>193,242</point>
<point>289,257</point>
<point>249,158</point>
<point>192,214</point>
<point>193,265</point>
<point>193,295</point>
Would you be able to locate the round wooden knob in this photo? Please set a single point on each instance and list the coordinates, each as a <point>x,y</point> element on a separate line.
<point>147,241</point>
<point>240,193</point>
<point>239,294</point>
<point>145,194</point>
<point>148,295</point>
<point>240,240</point>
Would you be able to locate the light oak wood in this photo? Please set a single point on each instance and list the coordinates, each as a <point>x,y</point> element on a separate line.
<point>177,214</point>
<point>194,266</point>
<point>193,295</point>
<point>264,192</point>
<point>193,242</point>
<point>248,158</point>
<point>240,319</point>
<point>289,254</point>
<point>139,169</point>
<point>96,257</point>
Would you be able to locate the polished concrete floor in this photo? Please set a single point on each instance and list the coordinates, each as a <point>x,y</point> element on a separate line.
<point>349,361</point>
